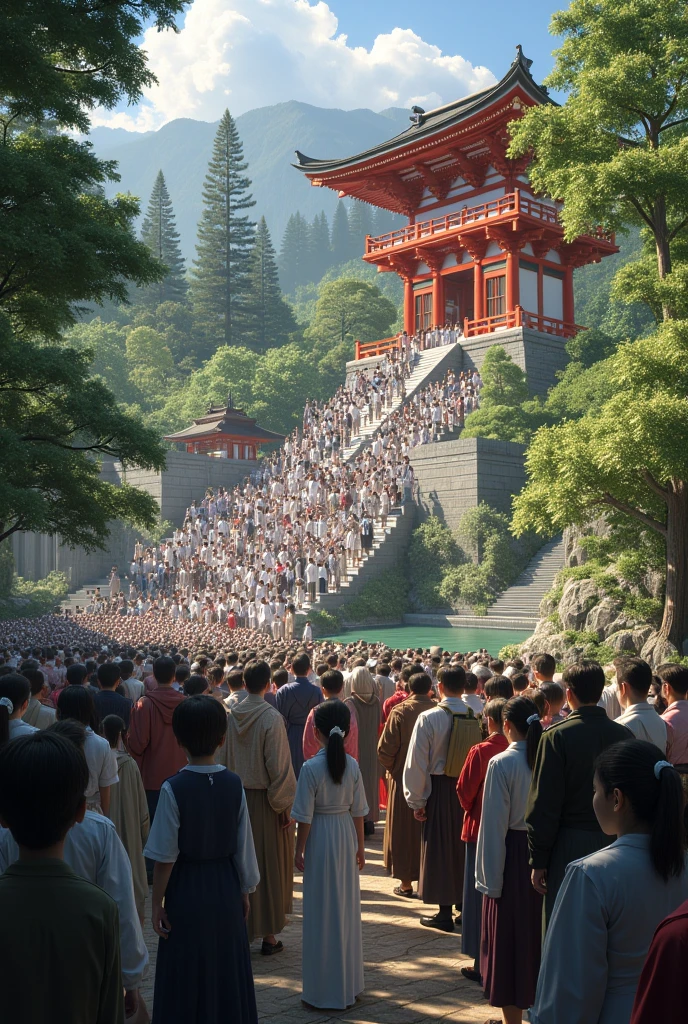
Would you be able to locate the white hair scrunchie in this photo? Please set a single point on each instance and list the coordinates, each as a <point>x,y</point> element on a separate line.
<point>533,718</point>
<point>7,703</point>
<point>660,766</point>
<point>335,730</point>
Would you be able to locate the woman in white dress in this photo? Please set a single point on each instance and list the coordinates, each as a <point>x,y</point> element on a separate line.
<point>612,901</point>
<point>330,806</point>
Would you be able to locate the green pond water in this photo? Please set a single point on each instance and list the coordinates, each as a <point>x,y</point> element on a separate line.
<point>461,638</point>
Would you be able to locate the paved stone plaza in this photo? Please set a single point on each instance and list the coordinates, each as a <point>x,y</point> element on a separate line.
<point>412,973</point>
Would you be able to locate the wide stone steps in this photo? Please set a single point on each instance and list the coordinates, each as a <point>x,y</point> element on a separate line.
<point>80,598</point>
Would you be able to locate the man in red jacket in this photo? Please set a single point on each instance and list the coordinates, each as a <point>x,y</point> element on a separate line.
<point>151,740</point>
<point>469,789</point>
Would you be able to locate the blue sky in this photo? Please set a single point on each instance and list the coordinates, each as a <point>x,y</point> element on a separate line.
<point>483,31</point>
<point>244,54</point>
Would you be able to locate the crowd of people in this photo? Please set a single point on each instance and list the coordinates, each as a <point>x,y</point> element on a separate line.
<point>251,557</point>
<point>541,813</point>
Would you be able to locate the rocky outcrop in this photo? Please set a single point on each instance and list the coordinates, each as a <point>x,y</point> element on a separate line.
<point>577,601</point>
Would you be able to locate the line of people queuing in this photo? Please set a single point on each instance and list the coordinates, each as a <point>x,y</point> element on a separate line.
<point>525,807</point>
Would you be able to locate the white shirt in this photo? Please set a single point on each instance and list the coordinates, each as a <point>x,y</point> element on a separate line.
<point>162,841</point>
<point>94,850</point>
<point>102,765</point>
<point>600,931</point>
<point>645,724</point>
<point>133,688</point>
<point>505,795</point>
<point>17,727</point>
<point>427,752</point>
<point>474,703</point>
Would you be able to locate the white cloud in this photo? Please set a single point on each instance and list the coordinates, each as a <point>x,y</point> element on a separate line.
<point>251,53</point>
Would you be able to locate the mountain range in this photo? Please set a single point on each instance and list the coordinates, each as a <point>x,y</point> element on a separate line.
<point>182,149</point>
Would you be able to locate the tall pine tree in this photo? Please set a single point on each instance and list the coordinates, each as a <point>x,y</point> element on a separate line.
<point>341,238</point>
<point>321,254</point>
<point>360,225</point>
<point>159,232</point>
<point>269,319</point>
<point>295,263</point>
<point>225,237</point>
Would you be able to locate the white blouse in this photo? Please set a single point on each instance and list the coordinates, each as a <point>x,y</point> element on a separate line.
<point>504,806</point>
<point>162,842</point>
<point>605,915</point>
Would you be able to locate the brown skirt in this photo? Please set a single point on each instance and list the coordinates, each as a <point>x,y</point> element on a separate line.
<point>272,900</point>
<point>511,935</point>
<point>442,853</point>
<point>401,845</point>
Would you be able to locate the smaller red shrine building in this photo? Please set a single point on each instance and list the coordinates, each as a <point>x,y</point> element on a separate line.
<point>226,433</point>
<point>480,248</point>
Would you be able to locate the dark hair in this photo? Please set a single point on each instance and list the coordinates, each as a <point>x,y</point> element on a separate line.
<point>200,724</point>
<point>71,730</point>
<point>195,684</point>
<point>235,679</point>
<point>76,674</point>
<point>635,672</point>
<point>519,682</point>
<point>543,664</point>
<point>280,676</point>
<point>301,664</point>
<point>494,709</point>
<point>17,689</point>
<point>471,684</point>
<point>333,714</point>
<point>497,666</point>
<point>498,686</point>
<point>518,710</point>
<point>43,779</point>
<point>551,691</point>
<point>113,727</point>
<point>332,681</point>
<point>35,677</point>
<point>452,679</point>
<point>585,679</point>
<point>257,676</point>
<point>182,673</point>
<point>77,702</point>
<point>658,802</point>
<point>675,676</point>
<point>126,666</point>
<point>109,674</point>
<point>163,670</point>
<point>420,683</point>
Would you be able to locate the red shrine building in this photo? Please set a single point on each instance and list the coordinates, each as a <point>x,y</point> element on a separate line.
<point>480,248</point>
<point>225,433</point>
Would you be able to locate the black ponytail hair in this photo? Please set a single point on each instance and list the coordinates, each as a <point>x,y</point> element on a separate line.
<point>329,716</point>
<point>17,689</point>
<point>518,710</point>
<point>657,801</point>
<point>113,727</point>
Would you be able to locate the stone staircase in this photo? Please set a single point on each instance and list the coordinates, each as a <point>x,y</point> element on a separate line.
<point>80,597</point>
<point>431,365</point>
<point>518,607</point>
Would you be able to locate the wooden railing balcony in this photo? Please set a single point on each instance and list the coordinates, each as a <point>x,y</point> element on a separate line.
<point>512,204</point>
<point>520,318</point>
<point>368,349</point>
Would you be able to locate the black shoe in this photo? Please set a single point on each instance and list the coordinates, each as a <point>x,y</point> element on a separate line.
<point>471,974</point>
<point>444,924</point>
<point>270,948</point>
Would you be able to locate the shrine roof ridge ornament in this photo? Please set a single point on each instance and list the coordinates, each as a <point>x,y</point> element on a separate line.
<point>433,121</point>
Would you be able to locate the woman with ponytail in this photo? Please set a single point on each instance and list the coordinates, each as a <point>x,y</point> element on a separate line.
<point>15,693</point>
<point>512,910</point>
<point>330,808</point>
<point>611,902</point>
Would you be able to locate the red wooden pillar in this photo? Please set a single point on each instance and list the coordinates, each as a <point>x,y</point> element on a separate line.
<point>409,307</point>
<point>568,307</point>
<point>357,350</point>
<point>478,290</point>
<point>512,284</point>
<point>437,299</point>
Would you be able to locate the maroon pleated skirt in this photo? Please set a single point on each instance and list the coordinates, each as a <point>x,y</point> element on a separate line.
<point>512,932</point>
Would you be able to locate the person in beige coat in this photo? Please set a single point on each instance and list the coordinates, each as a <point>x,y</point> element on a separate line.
<point>257,749</point>
<point>129,808</point>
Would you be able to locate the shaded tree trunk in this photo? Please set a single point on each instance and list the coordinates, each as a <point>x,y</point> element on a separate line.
<point>675,620</point>
<point>661,233</point>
